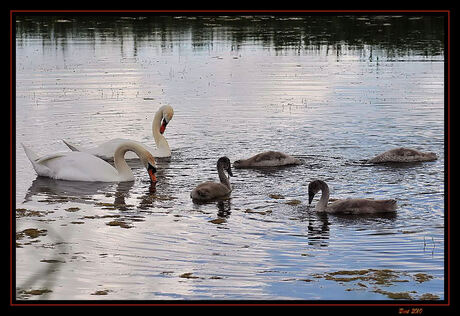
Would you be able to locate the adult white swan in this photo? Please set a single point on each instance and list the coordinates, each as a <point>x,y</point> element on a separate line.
<point>81,166</point>
<point>347,206</point>
<point>106,150</point>
<point>267,159</point>
<point>208,191</point>
<point>403,154</point>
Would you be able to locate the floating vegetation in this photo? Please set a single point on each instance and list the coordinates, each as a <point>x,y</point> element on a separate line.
<point>58,199</point>
<point>113,206</point>
<point>52,261</point>
<point>101,292</point>
<point>188,275</point>
<point>258,212</point>
<point>120,223</point>
<point>422,277</point>
<point>276,196</point>
<point>374,278</point>
<point>396,295</point>
<point>35,292</point>
<point>429,297</point>
<point>218,221</point>
<point>293,202</point>
<point>382,277</point>
<point>31,233</point>
<point>72,209</point>
<point>22,212</point>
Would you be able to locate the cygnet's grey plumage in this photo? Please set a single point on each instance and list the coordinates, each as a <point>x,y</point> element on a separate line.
<point>208,191</point>
<point>403,154</point>
<point>347,206</point>
<point>267,159</point>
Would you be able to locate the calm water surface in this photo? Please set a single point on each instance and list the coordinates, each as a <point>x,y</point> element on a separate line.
<point>332,91</point>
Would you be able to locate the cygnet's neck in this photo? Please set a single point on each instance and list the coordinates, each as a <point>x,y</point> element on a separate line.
<point>222,177</point>
<point>322,203</point>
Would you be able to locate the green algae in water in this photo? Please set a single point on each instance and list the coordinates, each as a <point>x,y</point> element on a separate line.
<point>276,196</point>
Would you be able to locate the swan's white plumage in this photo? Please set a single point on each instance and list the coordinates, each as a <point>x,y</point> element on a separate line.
<point>82,166</point>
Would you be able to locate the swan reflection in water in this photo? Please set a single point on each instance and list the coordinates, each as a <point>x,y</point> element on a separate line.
<point>62,191</point>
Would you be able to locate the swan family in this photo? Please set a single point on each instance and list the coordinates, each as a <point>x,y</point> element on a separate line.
<point>89,164</point>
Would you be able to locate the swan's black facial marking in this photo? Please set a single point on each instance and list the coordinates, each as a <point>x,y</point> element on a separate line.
<point>163,125</point>
<point>152,170</point>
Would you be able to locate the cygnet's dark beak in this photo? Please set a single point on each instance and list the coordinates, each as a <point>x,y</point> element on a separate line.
<point>311,195</point>
<point>229,170</point>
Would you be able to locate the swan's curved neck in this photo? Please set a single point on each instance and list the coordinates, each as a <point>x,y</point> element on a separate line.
<point>122,167</point>
<point>223,178</point>
<point>160,140</point>
<point>322,203</point>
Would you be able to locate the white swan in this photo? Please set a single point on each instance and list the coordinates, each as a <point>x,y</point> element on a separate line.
<point>208,191</point>
<point>402,154</point>
<point>81,166</point>
<point>267,159</point>
<point>347,206</point>
<point>106,150</point>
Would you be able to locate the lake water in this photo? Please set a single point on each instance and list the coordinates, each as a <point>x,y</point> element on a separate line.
<point>330,90</point>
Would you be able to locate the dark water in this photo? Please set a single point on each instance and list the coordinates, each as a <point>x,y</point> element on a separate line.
<point>330,90</point>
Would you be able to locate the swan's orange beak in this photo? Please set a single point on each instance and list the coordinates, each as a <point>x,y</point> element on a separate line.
<point>163,126</point>
<point>151,170</point>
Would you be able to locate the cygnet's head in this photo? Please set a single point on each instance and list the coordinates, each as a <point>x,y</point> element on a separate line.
<point>431,156</point>
<point>225,164</point>
<point>313,188</point>
<point>237,163</point>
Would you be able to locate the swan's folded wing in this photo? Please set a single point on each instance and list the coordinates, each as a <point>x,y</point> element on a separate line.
<point>43,160</point>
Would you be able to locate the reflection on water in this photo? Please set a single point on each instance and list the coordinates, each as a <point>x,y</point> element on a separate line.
<point>333,91</point>
<point>396,35</point>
